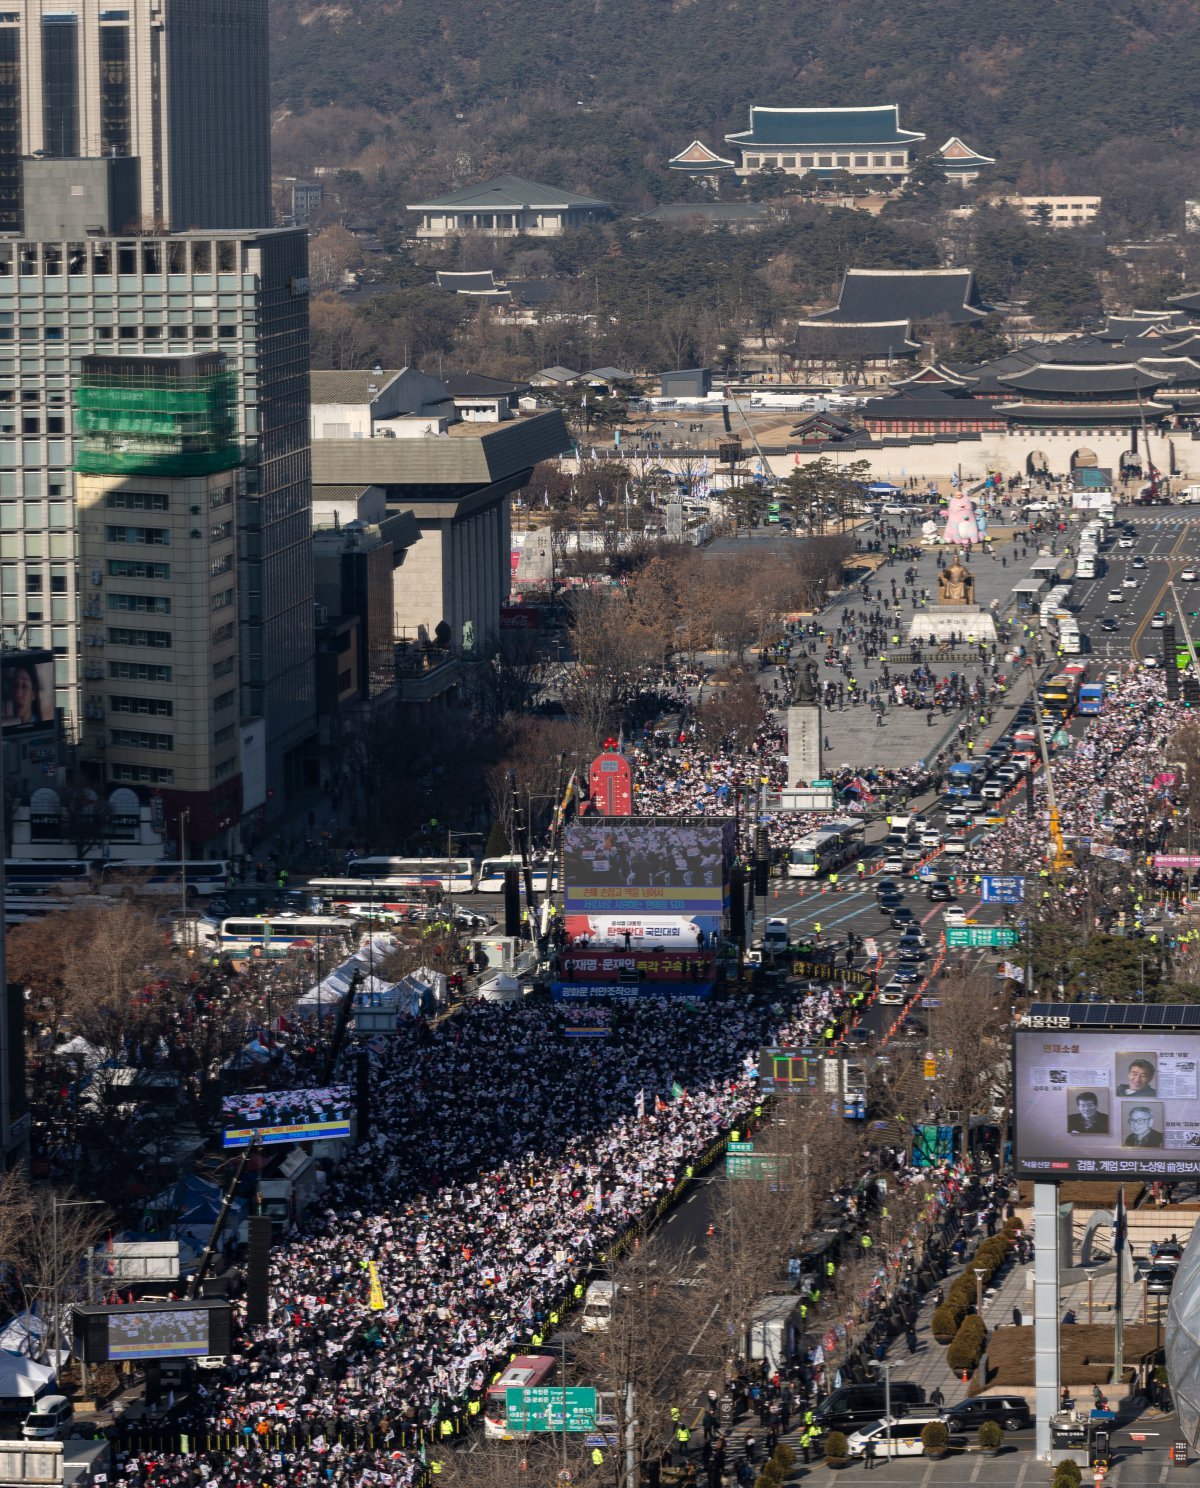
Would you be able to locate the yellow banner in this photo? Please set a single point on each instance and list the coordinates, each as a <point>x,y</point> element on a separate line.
<point>376,1304</point>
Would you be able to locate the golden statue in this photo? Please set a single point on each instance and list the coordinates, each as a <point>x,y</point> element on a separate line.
<point>956,585</point>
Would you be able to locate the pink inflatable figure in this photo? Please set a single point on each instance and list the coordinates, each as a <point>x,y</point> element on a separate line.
<point>962,530</point>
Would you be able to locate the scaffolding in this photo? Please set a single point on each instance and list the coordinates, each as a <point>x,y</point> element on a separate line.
<point>156,416</point>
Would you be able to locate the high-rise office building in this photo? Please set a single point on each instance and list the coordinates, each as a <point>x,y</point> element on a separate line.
<point>179,85</point>
<point>243,294</point>
<point>156,451</point>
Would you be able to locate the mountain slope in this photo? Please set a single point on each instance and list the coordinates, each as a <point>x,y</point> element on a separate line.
<point>470,82</point>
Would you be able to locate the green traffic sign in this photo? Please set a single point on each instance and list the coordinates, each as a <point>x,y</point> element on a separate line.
<point>747,1166</point>
<point>973,937</point>
<point>740,1147</point>
<point>541,1408</point>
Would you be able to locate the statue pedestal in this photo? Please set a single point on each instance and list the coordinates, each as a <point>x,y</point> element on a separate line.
<point>804,743</point>
<point>967,623</point>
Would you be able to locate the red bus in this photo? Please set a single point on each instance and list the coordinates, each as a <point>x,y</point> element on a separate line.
<point>525,1371</point>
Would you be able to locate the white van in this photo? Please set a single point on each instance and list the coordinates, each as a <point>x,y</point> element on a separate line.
<point>49,1419</point>
<point>597,1307</point>
<point>1190,495</point>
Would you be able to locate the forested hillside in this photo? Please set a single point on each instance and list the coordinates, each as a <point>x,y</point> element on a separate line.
<point>597,94</point>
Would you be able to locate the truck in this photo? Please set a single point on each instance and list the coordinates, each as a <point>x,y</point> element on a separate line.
<point>774,1331</point>
<point>287,1195</point>
<point>1091,698</point>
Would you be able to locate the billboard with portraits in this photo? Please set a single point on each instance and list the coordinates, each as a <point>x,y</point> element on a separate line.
<point>26,691</point>
<point>1112,1103</point>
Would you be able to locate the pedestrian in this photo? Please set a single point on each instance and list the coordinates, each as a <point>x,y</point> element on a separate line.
<point>869,1453</point>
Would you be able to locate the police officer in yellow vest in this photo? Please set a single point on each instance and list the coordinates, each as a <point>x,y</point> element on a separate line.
<point>436,1468</point>
<point>682,1437</point>
<point>597,1457</point>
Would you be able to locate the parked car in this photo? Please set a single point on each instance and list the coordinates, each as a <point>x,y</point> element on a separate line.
<point>852,1406</point>
<point>1159,1280</point>
<point>905,1437</point>
<point>1010,1412</point>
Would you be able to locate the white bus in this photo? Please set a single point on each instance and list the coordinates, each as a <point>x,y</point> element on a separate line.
<point>455,875</point>
<point>826,850</point>
<point>48,871</point>
<point>366,897</point>
<point>279,934</point>
<point>168,876</point>
<point>492,870</point>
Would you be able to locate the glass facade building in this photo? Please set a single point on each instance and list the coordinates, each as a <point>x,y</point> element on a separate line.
<point>242,294</point>
<point>180,85</point>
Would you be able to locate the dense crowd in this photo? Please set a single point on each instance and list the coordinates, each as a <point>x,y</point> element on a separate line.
<point>1103,786</point>
<point>506,1159</point>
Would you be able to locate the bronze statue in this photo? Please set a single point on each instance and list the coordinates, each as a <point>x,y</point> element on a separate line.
<point>806,682</point>
<point>956,585</point>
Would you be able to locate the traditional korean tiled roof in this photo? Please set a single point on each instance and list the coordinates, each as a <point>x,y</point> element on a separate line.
<point>505,194</point>
<point>461,283</point>
<point>1189,301</point>
<point>814,127</point>
<point>699,160</point>
<point>917,295</point>
<point>1084,413</point>
<point>874,339</point>
<point>931,410</point>
<point>1090,380</point>
<point>959,157</point>
<point>935,375</point>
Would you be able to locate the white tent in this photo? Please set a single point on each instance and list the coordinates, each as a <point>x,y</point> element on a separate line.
<point>21,1378</point>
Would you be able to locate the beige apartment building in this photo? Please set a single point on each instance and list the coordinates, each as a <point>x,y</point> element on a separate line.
<point>157,469</point>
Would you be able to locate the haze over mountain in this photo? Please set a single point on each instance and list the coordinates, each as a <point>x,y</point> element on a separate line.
<point>597,94</point>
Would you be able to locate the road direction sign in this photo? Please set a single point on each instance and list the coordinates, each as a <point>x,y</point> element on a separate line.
<point>1003,888</point>
<point>541,1407</point>
<point>740,1147</point>
<point>972,937</point>
<point>747,1166</point>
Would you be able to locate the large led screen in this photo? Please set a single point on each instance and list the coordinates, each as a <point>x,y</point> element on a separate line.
<point>27,691</point>
<point>158,1335</point>
<point>631,865</point>
<point>1123,1103</point>
<point>286,1115</point>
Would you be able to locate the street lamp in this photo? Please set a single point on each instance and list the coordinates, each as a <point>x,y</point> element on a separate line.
<point>887,1400</point>
<point>55,1205</point>
<point>980,1273</point>
<point>451,838</point>
<point>1091,1276</point>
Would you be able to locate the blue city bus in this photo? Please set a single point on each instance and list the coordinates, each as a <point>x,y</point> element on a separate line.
<point>1091,698</point>
<point>965,778</point>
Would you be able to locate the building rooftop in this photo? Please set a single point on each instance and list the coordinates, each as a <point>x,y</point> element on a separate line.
<point>505,194</point>
<point>467,283</point>
<point>339,493</point>
<point>828,339</point>
<point>475,385</point>
<point>874,125</point>
<point>957,155</point>
<point>948,410</point>
<point>699,159</point>
<point>916,295</point>
<point>1076,380</point>
<point>359,385</point>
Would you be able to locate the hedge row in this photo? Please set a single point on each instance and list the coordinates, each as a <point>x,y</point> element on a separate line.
<point>989,1256</point>
<point>960,1298</point>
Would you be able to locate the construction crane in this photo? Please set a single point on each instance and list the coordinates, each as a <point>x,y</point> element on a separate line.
<point>1061,855</point>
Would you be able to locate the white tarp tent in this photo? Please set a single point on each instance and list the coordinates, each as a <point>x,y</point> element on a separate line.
<point>22,1378</point>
